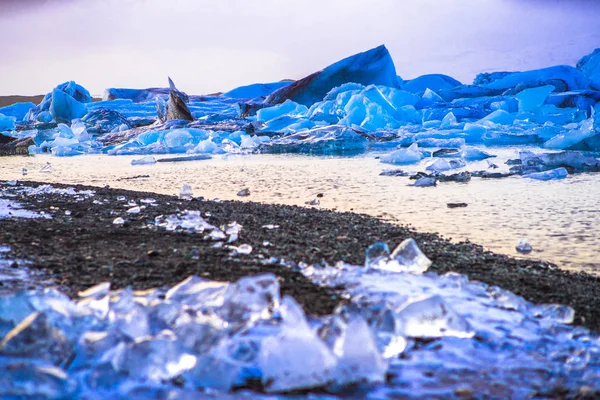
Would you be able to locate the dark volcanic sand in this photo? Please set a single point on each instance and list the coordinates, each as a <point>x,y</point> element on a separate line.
<point>85,248</point>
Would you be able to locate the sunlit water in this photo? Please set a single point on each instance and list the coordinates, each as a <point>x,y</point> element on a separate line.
<point>560,218</point>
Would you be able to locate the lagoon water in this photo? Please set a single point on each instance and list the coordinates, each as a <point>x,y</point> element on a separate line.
<point>560,218</point>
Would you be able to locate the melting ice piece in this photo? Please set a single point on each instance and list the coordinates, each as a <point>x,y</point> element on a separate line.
<point>431,318</point>
<point>360,360</point>
<point>197,291</point>
<point>134,210</point>
<point>30,379</point>
<point>554,312</point>
<point>523,246</point>
<point>270,226</point>
<point>376,254</point>
<point>557,173</point>
<point>407,257</point>
<point>24,171</point>
<point>118,221</point>
<point>425,182</point>
<point>445,165</point>
<point>242,249</point>
<point>35,337</point>
<point>296,358</point>
<point>186,192</point>
<point>144,160</point>
<point>410,155</point>
<point>472,154</point>
<point>233,230</point>
<point>121,198</point>
<point>96,299</point>
<point>314,202</point>
<point>46,168</point>
<point>250,299</point>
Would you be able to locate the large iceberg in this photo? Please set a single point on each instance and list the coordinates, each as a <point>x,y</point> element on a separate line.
<point>256,90</point>
<point>65,102</point>
<point>17,110</point>
<point>590,67</point>
<point>435,82</point>
<point>374,66</point>
<point>563,77</point>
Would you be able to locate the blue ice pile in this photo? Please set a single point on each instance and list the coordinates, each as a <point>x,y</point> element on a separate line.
<point>352,106</point>
<point>403,331</point>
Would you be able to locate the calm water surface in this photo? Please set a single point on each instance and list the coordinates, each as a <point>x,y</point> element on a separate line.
<point>561,218</point>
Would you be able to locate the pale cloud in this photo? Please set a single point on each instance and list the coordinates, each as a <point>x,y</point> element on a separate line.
<point>212,45</point>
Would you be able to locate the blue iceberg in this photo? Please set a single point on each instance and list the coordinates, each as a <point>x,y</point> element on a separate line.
<point>374,66</point>
<point>590,66</point>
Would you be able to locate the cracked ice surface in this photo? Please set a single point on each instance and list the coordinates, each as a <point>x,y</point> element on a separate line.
<point>429,335</point>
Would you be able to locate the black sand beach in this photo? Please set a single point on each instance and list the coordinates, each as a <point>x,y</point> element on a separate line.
<point>86,248</point>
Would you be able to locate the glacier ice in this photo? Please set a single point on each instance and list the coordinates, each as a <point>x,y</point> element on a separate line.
<point>17,110</point>
<point>409,155</point>
<point>256,90</point>
<point>532,99</point>
<point>589,65</point>
<point>558,173</point>
<point>434,82</point>
<point>7,123</point>
<point>374,66</point>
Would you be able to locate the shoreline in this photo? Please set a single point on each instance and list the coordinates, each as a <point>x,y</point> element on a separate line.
<point>85,248</point>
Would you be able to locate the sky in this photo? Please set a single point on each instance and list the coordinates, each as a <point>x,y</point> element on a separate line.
<point>215,45</point>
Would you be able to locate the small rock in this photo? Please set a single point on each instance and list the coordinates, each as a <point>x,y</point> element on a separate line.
<point>456,205</point>
<point>244,192</point>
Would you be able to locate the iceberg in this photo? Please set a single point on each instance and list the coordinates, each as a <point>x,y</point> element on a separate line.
<point>17,110</point>
<point>65,108</point>
<point>329,140</point>
<point>256,90</point>
<point>7,123</point>
<point>532,99</point>
<point>474,154</point>
<point>443,164</point>
<point>563,77</point>
<point>435,82</point>
<point>288,108</point>
<point>70,102</point>
<point>374,66</point>
<point>589,65</point>
<point>410,155</point>
<point>558,173</point>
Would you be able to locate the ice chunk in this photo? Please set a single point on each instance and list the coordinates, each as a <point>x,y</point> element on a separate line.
<point>65,108</point>
<point>28,379</point>
<point>410,258</point>
<point>256,90</point>
<point>195,291</point>
<point>47,168</point>
<point>250,299</point>
<point>442,164</point>
<point>554,312</point>
<point>449,121</point>
<point>474,154</point>
<point>590,66</point>
<point>523,246</point>
<point>376,254</point>
<point>374,66</point>
<point>7,123</point>
<point>144,161</point>
<point>295,359</point>
<point>573,137</point>
<point>425,182</point>
<point>565,78</point>
<point>360,361</point>
<point>410,155</point>
<point>558,173</point>
<point>288,107</point>
<point>429,98</point>
<point>118,221</point>
<point>499,117</point>
<point>433,82</point>
<point>431,318</point>
<point>242,249</point>
<point>186,193</point>
<point>532,99</point>
<point>17,110</point>
<point>35,337</point>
